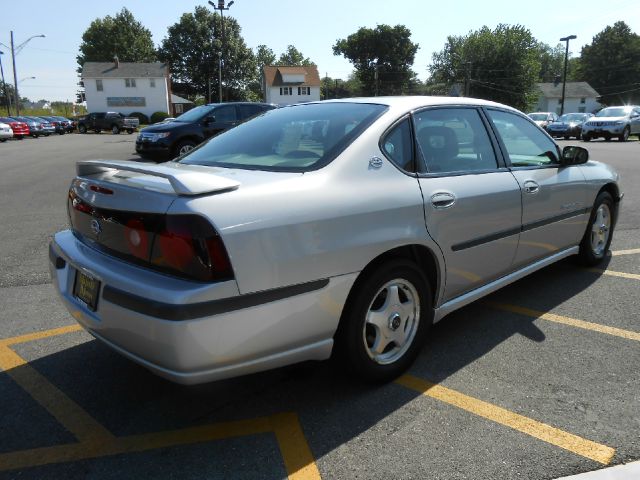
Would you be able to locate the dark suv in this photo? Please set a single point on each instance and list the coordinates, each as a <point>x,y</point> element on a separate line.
<point>178,136</point>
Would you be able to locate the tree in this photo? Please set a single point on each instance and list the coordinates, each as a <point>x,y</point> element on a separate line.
<point>121,35</point>
<point>293,57</point>
<point>382,58</point>
<point>552,64</point>
<point>338,88</point>
<point>192,47</point>
<point>611,64</point>
<point>501,65</point>
<point>264,56</point>
<point>8,99</point>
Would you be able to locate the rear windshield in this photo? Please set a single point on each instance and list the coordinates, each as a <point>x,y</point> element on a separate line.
<point>614,112</point>
<point>296,138</point>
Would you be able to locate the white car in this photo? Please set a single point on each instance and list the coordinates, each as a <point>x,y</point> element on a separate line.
<point>612,122</point>
<point>5,132</point>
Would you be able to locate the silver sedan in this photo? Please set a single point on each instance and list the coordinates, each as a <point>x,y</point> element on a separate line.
<point>342,228</point>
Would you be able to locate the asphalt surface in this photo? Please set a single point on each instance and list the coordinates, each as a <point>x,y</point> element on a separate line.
<point>511,393</point>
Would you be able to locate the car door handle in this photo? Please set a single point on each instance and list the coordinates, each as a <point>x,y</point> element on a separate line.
<point>442,200</point>
<point>531,187</point>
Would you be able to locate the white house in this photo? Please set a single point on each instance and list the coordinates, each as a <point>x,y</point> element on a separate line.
<point>286,85</point>
<point>127,87</point>
<point>578,97</point>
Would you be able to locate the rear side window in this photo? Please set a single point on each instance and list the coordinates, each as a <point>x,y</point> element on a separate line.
<point>398,146</point>
<point>226,113</point>
<point>247,111</point>
<point>526,145</point>
<point>454,140</point>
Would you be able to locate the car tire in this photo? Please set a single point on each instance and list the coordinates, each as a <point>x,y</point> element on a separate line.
<point>586,138</point>
<point>115,129</point>
<point>82,129</point>
<point>185,146</point>
<point>597,237</point>
<point>130,131</point>
<point>567,137</point>
<point>394,300</point>
<point>2,140</point>
<point>97,130</point>
<point>607,139</point>
<point>625,134</point>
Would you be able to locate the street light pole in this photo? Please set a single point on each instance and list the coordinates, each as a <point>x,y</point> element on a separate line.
<point>222,8</point>
<point>564,78</point>
<point>4,87</point>
<point>14,52</point>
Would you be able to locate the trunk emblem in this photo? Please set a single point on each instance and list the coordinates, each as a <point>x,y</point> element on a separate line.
<point>95,227</point>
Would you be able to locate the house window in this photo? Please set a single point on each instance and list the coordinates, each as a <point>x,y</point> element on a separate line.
<point>582,109</point>
<point>286,91</point>
<point>152,82</point>
<point>304,90</point>
<point>99,86</point>
<point>130,82</point>
<point>583,101</point>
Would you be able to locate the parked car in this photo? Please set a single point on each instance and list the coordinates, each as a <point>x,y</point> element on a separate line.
<point>74,123</point>
<point>45,125</point>
<point>184,133</point>
<point>543,119</point>
<point>274,243</point>
<point>66,123</point>
<point>568,125</point>
<point>5,132</point>
<point>111,121</point>
<point>60,127</point>
<point>35,128</point>
<point>613,122</point>
<point>20,129</point>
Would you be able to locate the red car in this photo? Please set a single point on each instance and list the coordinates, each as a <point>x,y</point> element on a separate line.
<point>20,129</point>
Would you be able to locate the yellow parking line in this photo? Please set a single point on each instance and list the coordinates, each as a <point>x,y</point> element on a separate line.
<point>574,322</point>
<point>573,443</point>
<point>66,411</point>
<point>632,251</point>
<point>30,337</point>
<point>298,458</point>
<point>632,276</point>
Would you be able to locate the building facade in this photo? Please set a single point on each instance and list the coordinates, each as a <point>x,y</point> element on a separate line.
<point>127,87</point>
<point>283,85</point>
<point>579,97</point>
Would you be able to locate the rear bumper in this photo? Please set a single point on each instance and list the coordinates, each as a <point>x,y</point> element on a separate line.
<point>191,332</point>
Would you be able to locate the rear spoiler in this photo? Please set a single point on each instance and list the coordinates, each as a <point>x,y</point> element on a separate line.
<point>184,179</point>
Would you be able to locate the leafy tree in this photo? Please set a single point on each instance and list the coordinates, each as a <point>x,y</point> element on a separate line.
<point>121,35</point>
<point>611,64</point>
<point>4,101</point>
<point>293,57</point>
<point>264,56</point>
<point>382,58</point>
<point>192,47</point>
<point>552,64</point>
<point>338,88</point>
<point>501,65</point>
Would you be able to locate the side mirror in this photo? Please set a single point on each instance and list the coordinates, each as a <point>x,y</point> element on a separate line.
<point>210,119</point>
<point>574,155</point>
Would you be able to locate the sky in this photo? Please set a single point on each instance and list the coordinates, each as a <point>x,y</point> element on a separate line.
<point>312,27</point>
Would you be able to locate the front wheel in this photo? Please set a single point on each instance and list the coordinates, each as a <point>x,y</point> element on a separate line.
<point>385,321</point>
<point>625,134</point>
<point>184,147</point>
<point>586,138</point>
<point>82,129</point>
<point>115,129</point>
<point>597,238</point>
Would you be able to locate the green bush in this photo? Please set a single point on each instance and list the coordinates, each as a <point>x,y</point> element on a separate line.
<point>144,120</point>
<point>158,117</point>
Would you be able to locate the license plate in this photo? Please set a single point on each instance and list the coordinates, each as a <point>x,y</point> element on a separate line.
<point>86,289</point>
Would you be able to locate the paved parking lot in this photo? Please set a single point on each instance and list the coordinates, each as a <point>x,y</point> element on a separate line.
<point>538,381</point>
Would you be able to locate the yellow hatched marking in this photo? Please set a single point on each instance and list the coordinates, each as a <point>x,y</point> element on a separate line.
<point>632,276</point>
<point>632,251</point>
<point>96,441</point>
<point>574,322</point>
<point>65,410</point>
<point>573,443</point>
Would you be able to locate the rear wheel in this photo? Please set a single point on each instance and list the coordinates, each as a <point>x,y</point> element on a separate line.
<point>599,233</point>
<point>385,321</point>
<point>82,129</point>
<point>625,134</point>
<point>607,138</point>
<point>115,129</point>
<point>585,137</point>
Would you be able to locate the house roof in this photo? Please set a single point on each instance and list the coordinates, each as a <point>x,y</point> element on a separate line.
<point>572,90</point>
<point>273,75</point>
<point>124,70</point>
<point>177,99</point>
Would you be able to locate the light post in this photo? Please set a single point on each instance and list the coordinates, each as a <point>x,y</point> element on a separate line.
<point>26,78</point>
<point>564,78</point>
<point>222,8</point>
<point>4,87</point>
<point>14,51</point>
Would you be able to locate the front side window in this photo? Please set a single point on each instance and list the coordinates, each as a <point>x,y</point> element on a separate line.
<point>454,140</point>
<point>526,145</point>
<point>226,113</point>
<point>398,145</point>
<point>285,91</point>
<point>297,138</point>
<point>99,86</point>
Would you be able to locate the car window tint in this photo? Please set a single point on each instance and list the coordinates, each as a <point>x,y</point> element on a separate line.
<point>247,111</point>
<point>453,140</point>
<point>294,138</point>
<point>226,113</point>
<point>526,145</point>
<point>397,144</point>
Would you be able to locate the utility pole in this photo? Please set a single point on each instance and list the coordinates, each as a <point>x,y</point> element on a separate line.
<point>564,78</point>
<point>222,8</point>
<point>4,87</point>
<point>15,77</point>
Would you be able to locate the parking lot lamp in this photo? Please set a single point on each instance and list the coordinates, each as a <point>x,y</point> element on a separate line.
<point>222,8</point>
<point>564,78</point>
<point>4,87</point>
<point>14,51</point>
